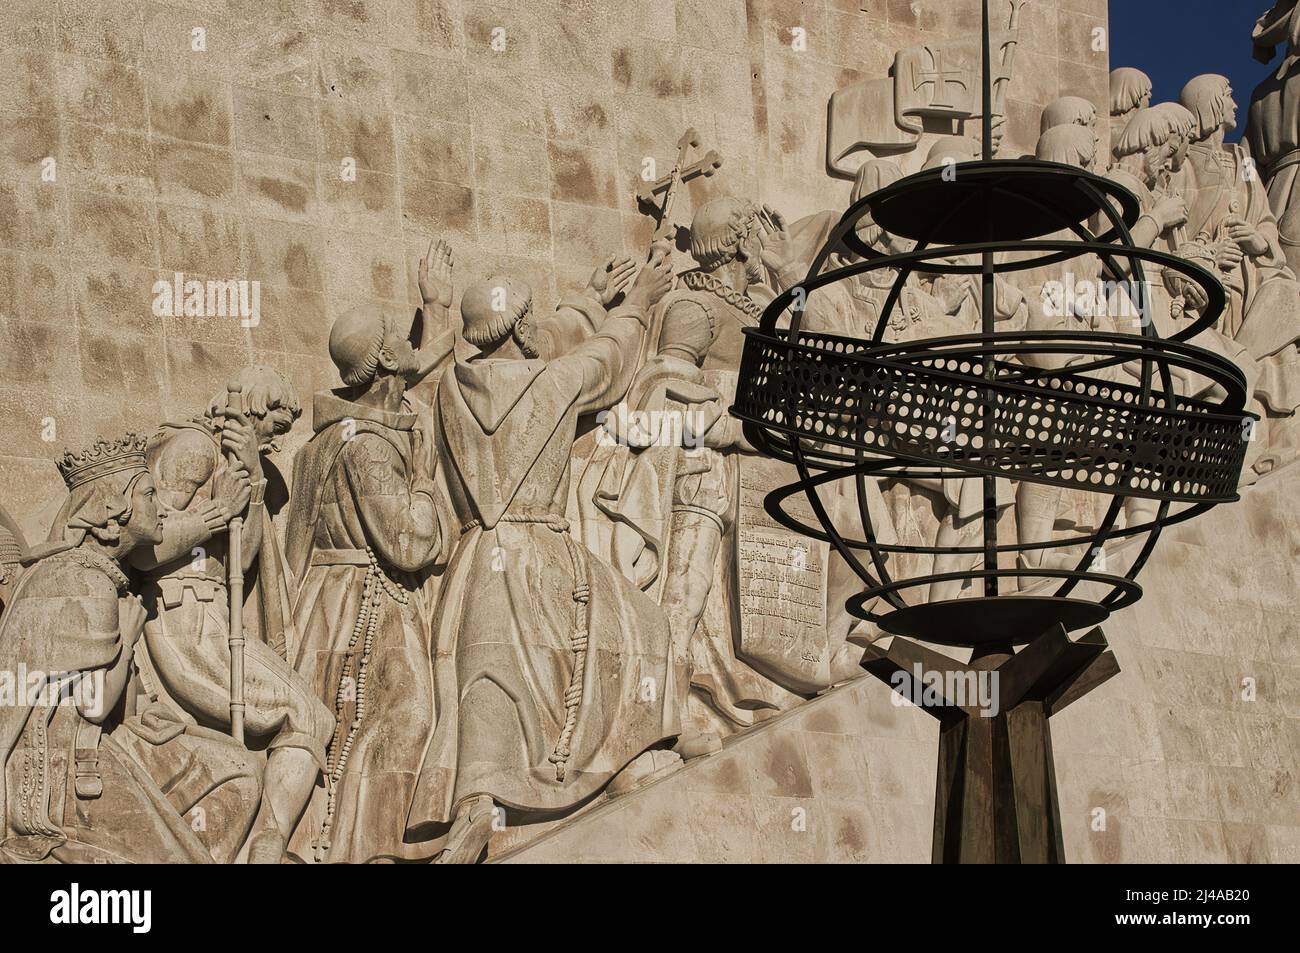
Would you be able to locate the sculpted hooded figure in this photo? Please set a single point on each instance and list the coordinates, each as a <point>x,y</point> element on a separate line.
<point>365,525</point>
<point>550,668</point>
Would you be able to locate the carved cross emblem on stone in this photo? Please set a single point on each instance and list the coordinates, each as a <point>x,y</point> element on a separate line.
<point>940,78</point>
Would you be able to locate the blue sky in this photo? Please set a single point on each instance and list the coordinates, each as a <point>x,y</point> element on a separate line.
<point>1173,40</point>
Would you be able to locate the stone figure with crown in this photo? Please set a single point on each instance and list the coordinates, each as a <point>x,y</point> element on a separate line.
<point>68,791</point>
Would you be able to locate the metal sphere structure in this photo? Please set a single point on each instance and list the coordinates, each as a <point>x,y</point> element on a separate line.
<point>996,405</point>
<point>1073,409</point>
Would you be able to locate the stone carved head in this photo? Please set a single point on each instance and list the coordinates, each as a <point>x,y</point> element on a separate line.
<point>1069,145</point>
<point>267,398</point>
<point>952,149</point>
<point>685,337</point>
<point>368,343</point>
<point>496,309</point>
<point>728,230</point>
<point>111,497</point>
<point>872,176</point>
<point>1130,89</point>
<point>1071,110</point>
<point>1158,136</point>
<point>1209,99</point>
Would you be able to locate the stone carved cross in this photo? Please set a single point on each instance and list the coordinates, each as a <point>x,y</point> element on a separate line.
<point>941,79</point>
<point>667,184</point>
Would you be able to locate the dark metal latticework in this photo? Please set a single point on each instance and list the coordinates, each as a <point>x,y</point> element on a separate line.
<point>980,406</point>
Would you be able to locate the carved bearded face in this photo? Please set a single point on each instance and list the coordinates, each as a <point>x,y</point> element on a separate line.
<point>1167,156</point>
<point>1178,146</point>
<point>400,358</point>
<point>277,422</point>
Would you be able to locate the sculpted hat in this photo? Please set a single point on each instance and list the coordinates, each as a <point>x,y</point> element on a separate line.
<point>102,458</point>
<point>356,339</point>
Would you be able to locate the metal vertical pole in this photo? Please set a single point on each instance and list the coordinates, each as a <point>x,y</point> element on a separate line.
<point>987,323</point>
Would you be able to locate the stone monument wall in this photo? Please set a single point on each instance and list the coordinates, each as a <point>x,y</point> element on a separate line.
<point>218,139</point>
<point>1187,756</point>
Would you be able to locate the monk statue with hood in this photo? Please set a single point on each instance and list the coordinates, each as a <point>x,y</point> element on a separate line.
<point>68,792</point>
<point>550,668</point>
<point>365,526</point>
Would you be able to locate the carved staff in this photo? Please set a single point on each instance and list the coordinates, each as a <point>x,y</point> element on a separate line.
<point>235,585</point>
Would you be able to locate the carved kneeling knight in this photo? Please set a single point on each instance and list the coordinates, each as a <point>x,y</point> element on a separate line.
<point>186,662</point>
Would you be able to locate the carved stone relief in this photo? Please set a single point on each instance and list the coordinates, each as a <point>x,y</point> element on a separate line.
<point>519,562</point>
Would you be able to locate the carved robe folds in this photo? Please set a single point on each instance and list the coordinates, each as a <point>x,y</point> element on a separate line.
<point>1263,297</point>
<point>362,526</point>
<point>550,669</point>
<point>1273,131</point>
<point>69,793</point>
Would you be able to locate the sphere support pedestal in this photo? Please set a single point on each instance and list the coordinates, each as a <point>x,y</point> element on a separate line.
<point>995,792</point>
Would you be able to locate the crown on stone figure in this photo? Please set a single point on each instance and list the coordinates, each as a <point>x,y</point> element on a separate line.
<point>101,458</point>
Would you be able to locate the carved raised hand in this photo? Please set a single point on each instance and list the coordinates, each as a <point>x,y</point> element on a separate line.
<point>436,275</point>
<point>611,278</point>
<point>653,281</point>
